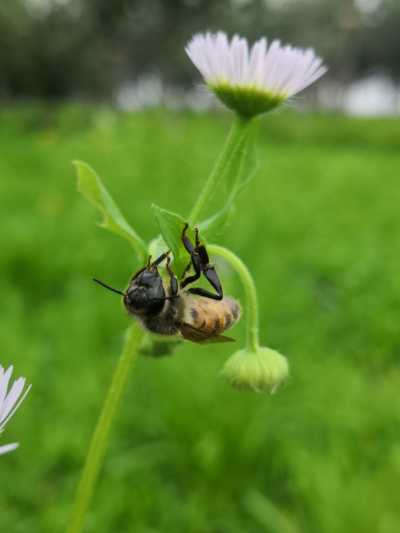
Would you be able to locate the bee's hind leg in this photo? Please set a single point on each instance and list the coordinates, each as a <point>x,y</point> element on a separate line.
<point>213,279</point>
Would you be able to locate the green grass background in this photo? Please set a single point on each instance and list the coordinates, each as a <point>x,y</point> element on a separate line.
<point>319,228</point>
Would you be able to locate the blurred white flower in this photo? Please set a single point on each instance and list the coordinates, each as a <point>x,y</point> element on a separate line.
<point>256,81</point>
<point>8,401</point>
<point>8,448</point>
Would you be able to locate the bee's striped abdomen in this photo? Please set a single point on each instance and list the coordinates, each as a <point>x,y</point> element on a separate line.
<point>214,317</point>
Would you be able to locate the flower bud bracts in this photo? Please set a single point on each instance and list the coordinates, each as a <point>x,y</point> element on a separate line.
<point>258,371</point>
<point>246,101</point>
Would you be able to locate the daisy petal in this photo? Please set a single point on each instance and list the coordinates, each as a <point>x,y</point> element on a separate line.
<point>8,401</point>
<point>8,448</point>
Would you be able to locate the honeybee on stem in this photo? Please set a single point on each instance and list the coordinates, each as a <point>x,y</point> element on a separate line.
<point>167,308</point>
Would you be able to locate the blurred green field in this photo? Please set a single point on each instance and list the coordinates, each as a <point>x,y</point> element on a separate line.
<point>319,228</point>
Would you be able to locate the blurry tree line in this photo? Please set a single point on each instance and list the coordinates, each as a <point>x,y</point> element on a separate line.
<point>86,49</point>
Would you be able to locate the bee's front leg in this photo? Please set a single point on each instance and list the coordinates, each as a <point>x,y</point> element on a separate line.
<point>195,260</point>
<point>186,270</point>
<point>174,279</point>
<point>159,260</point>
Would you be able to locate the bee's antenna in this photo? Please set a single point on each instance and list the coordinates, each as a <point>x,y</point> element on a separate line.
<point>109,288</point>
<point>160,259</point>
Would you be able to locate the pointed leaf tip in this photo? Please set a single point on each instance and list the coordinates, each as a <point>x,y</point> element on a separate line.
<point>92,188</point>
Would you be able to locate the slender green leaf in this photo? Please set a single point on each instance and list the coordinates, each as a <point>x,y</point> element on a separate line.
<point>171,226</point>
<point>214,226</point>
<point>267,514</point>
<point>92,188</point>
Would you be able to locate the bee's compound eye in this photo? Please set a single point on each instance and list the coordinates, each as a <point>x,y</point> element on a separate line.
<point>130,293</point>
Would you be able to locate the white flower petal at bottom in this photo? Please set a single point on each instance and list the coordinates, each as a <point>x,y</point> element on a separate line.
<point>8,401</point>
<point>8,448</point>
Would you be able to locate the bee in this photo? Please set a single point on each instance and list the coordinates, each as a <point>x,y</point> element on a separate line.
<point>169,309</point>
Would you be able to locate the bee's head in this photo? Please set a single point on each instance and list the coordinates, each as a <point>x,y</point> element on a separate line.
<point>142,297</point>
<point>145,294</point>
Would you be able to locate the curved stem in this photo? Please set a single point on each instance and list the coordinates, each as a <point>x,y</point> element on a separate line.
<point>102,432</point>
<point>232,145</point>
<point>251,296</point>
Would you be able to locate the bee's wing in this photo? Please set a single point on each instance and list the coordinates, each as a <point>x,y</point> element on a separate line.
<point>193,334</point>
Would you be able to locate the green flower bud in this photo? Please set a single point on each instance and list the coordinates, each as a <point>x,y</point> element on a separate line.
<point>153,347</point>
<point>258,371</point>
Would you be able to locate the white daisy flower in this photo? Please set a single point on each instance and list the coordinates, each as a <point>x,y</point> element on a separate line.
<point>8,401</point>
<point>256,81</point>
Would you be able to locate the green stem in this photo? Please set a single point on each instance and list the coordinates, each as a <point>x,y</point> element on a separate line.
<point>244,155</point>
<point>232,145</point>
<point>102,432</point>
<point>251,296</point>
